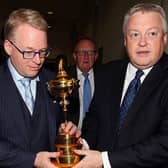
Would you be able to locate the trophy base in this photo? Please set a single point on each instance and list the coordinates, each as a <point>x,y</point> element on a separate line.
<point>65,144</point>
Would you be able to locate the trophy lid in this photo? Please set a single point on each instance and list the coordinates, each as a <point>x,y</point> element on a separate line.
<point>61,71</point>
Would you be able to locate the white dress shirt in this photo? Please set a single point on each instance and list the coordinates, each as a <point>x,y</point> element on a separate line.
<point>17,77</point>
<point>81,79</point>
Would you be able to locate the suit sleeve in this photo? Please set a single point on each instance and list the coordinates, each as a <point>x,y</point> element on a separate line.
<point>150,152</point>
<point>153,152</point>
<point>11,156</point>
<point>89,130</point>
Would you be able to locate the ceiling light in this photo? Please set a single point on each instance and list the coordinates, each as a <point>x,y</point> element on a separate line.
<point>50,12</point>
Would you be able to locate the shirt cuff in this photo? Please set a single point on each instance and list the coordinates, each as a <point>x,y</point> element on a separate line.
<point>106,162</point>
<point>85,144</point>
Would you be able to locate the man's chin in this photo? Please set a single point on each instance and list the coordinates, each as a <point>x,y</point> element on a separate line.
<point>33,74</point>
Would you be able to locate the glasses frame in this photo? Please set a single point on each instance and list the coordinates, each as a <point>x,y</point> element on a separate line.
<point>34,53</point>
<point>85,52</point>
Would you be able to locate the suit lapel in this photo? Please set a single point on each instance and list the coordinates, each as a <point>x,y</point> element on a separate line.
<point>118,95</point>
<point>53,112</point>
<point>10,88</point>
<point>147,88</point>
<point>112,86</point>
<point>74,106</point>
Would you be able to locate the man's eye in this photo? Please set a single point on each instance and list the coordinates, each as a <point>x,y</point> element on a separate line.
<point>29,52</point>
<point>91,52</point>
<point>152,34</point>
<point>134,35</point>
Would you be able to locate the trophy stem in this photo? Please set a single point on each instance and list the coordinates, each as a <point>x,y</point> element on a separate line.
<point>64,108</point>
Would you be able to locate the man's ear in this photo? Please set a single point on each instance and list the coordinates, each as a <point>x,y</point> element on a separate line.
<point>74,56</point>
<point>7,47</point>
<point>96,56</point>
<point>125,42</point>
<point>165,39</point>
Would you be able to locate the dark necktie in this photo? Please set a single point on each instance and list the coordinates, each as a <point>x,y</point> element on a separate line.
<point>129,96</point>
<point>28,94</point>
<point>86,94</point>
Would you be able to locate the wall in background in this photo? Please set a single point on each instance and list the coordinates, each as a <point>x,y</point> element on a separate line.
<point>106,26</point>
<point>100,19</point>
<point>164,3</point>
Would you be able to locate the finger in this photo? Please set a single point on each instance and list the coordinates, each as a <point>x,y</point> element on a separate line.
<point>78,133</point>
<point>80,140</point>
<point>64,127</point>
<point>68,126</point>
<point>73,130</point>
<point>81,152</point>
<point>53,154</point>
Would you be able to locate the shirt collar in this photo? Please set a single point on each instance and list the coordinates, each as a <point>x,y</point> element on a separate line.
<point>132,69</point>
<point>79,72</point>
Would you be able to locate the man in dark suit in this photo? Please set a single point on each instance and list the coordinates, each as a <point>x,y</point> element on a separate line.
<point>136,135</point>
<point>29,119</point>
<point>85,55</point>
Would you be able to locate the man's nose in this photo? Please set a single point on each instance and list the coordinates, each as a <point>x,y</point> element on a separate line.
<point>143,40</point>
<point>37,58</point>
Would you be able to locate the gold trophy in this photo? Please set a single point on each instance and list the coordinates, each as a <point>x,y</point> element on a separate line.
<point>62,87</point>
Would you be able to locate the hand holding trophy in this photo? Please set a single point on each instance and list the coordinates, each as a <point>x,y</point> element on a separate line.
<point>61,88</point>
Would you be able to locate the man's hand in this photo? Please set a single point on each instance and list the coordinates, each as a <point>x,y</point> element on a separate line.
<point>92,159</point>
<point>69,127</point>
<point>43,159</point>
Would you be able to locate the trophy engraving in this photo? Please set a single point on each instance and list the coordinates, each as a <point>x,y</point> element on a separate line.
<point>61,88</point>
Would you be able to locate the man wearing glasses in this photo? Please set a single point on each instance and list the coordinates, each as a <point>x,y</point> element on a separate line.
<point>85,56</point>
<point>29,119</point>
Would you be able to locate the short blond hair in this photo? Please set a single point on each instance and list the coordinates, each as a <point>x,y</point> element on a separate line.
<point>145,7</point>
<point>21,16</point>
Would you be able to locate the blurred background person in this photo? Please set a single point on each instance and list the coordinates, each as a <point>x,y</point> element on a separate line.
<point>85,55</point>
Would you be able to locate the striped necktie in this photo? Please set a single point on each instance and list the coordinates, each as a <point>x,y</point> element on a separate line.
<point>129,97</point>
<point>28,94</point>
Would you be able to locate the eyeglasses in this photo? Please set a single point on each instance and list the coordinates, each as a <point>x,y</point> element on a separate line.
<point>150,34</point>
<point>86,52</point>
<point>31,54</point>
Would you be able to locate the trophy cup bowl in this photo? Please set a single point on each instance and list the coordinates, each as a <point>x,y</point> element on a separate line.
<point>61,88</point>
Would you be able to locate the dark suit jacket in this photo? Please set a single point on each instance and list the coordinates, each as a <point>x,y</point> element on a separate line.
<point>14,150</point>
<point>74,106</point>
<point>143,139</point>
